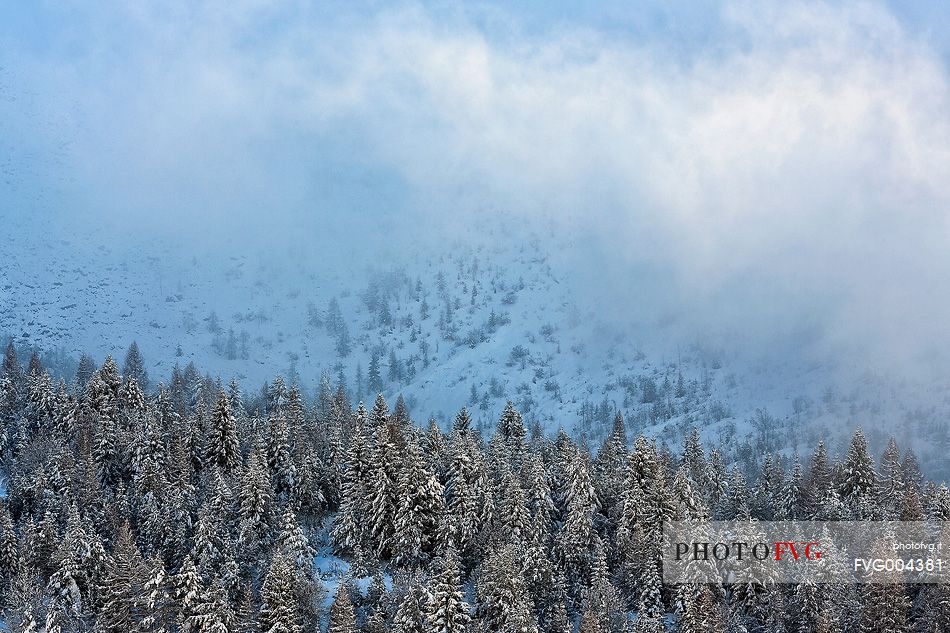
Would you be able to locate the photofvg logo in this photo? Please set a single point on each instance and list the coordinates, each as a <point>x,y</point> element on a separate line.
<point>739,549</point>
<point>806,551</point>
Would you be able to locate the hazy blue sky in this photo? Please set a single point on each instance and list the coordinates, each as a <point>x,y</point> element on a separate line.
<point>772,163</point>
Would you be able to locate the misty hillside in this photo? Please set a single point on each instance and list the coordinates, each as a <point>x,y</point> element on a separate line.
<point>734,220</point>
<point>477,323</point>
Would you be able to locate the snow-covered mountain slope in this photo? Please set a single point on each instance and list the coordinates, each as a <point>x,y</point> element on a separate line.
<point>468,324</point>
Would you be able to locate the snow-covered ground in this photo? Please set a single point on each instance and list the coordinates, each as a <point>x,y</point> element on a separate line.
<point>250,313</point>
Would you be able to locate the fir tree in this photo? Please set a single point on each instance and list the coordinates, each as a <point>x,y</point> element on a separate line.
<point>374,380</point>
<point>123,600</point>
<point>419,506</point>
<point>342,612</point>
<point>448,611</point>
<point>503,601</point>
<point>858,480</point>
<point>134,366</point>
<point>413,611</point>
<point>255,508</point>
<point>223,447</point>
<point>279,607</point>
<point>282,469</point>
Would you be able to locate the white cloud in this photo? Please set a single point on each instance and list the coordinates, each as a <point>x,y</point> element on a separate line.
<point>810,162</point>
<point>798,170</point>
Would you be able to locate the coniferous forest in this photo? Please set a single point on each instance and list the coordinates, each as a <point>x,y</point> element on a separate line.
<point>434,316</point>
<point>194,507</point>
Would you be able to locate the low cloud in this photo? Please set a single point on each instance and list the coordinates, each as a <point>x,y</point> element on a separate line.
<point>788,178</point>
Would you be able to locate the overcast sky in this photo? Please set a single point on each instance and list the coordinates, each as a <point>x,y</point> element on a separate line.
<point>779,168</point>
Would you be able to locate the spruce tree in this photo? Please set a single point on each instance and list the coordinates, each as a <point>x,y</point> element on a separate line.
<point>383,483</point>
<point>512,430</point>
<point>609,467</point>
<point>283,471</point>
<point>188,594</point>
<point>350,524</point>
<point>413,611</point>
<point>134,366</point>
<point>934,607</point>
<point>791,507</point>
<point>123,591</point>
<point>600,596</point>
<point>448,611</point>
<point>651,591</point>
<point>157,595</point>
<point>279,606</point>
<point>467,494</point>
<point>254,531</point>
<point>891,485</point>
<point>223,446</point>
<point>590,623</point>
<point>575,538</point>
<point>11,365</point>
<point>513,510</point>
<point>374,379</point>
<point>819,480</point>
<point>703,614</point>
<point>292,541</point>
<point>503,602</point>
<point>9,549</point>
<point>538,497</point>
<point>419,507</point>
<point>858,480</point>
<point>463,422</point>
<point>342,612</point>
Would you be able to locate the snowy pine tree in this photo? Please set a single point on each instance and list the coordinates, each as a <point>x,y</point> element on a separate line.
<point>124,603</point>
<point>342,613</point>
<point>503,602</point>
<point>419,507</point>
<point>413,612</point>
<point>223,446</point>
<point>858,480</point>
<point>279,607</point>
<point>134,366</point>
<point>448,611</point>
